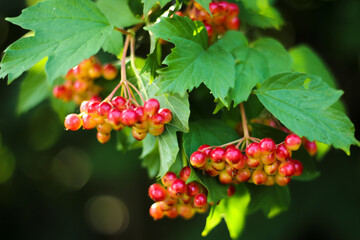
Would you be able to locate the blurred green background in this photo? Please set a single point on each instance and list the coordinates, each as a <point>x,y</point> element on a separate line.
<point>65,185</point>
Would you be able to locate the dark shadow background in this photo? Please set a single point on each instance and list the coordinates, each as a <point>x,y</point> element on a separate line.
<point>61,185</point>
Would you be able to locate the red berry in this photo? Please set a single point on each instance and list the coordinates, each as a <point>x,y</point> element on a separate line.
<point>259,177</point>
<point>233,23</point>
<point>233,9</point>
<point>95,71</point>
<point>267,146</point>
<point>167,114</point>
<point>72,122</point>
<point>104,108</point>
<point>168,179</point>
<point>84,106</point>
<point>282,153</point>
<point>200,200</point>
<point>109,71</point>
<point>217,155</point>
<point>141,116</point>
<point>119,102</point>
<point>268,159</point>
<point>298,167</point>
<point>225,177</point>
<point>198,159</point>
<point>156,212</point>
<point>178,187</point>
<point>92,108</point>
<point>293,142</point>
<point>88,121</point>
<point>281,180</point>
<point>186,211</point>
<point>209,29</point>
<point>252,162</point>
<point>95,98</point>
<point>243,175</point>
<point>232,155</point>
<point>253,150</point>
<point>172,212</point>
<point>151,106</point>
<point>80,86</point>
<point>310,147</point>
<point>156,120</point>
<point>231,190</point>
<point>286,169</point>
<point>185,173</point>
<point>157,192</point>
<point>128,117</point>
<point>193,188</point>
<point>103,138</point>
<point>205,149</point>
<point>114,117</point>
<point>230,170</point>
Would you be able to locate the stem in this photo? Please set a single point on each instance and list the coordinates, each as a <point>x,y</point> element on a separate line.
<point>244,122</point>
<point>133,66</point>
<point>184,159</point>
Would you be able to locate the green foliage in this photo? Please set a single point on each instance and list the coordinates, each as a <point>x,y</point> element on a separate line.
<point>302,103</point>
<point>260,13</point>
<point>191,62</point>
<point>233,210</point>
<point>60,26</point>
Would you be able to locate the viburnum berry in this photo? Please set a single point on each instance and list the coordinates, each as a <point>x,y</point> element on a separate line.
<point>253,150</point>
<point>156,212</point>
<point>286,169</point>
<point>178,187</point>
<point>128,117</point>
<point>232,155</point>
<point>231,190</point>
<point>166,114</point>
<point>198,159</point>
<point>151,106</point>
<point>282,180</point>
<point>282,153</point>
<point>185,173</point>
<point>193,189</point>
<point>217,155</point>
<point>225,177</point>
<point>243,175</point>
<point>293,142</point>
<point>168,179</point>
<point>103,138</point>
<point>259,177</point>
<point>72,122</point>
<point>157,192</point>
<point>200,200</point>
<point>109,71</point>
<point>298,167</point>
<point>310,147</point>
<point>267,146</point>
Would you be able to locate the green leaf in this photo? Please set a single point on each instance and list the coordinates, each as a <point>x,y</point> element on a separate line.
<point>125,141</point>
<point>260,13</point>
<point>190,63</point>
<point>233,210</point>
<point>114,43</point>
<point>205,4</point>
<point>148,4</point>
<point>67,31</point>
<point>272,200</point>
<point>305,60</point>
<point>33,89</point>
<point>152,63</point>
<point>168,148</point>
<point>302,103</point>
<point>150,156</point>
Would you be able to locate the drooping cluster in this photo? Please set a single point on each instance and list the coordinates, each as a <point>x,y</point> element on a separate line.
<point>117,114</point>
<point>224,17</point>
<point>79,81</point>
<point>173,197</point>
<point>310,146</point>
<point>262,163</point>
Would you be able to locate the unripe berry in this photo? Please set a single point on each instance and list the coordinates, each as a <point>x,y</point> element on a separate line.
<point>156,212</point>
<point>232,155</point>
<point>178,187</point>
<point>268,159</point>
<point>209,170</point>
<point>185,173</point>
<point>298,167</point>
<point>103,138</point>
<point>163,205</point>
<point>156,131</point>
<point>217,155</point>
<point>259,177</point>
<point>104,108</point>
<point>267,146</point>
<point>281,180</point>
<point>157,192</point>
<point>128,117</point>
<point>119,103</point>
<point>286,169</point>
<point>270,181</point>
<point>231,190</point>
<point>293,142</point>
<point>167,114</point>
<point>192,188</point>
<point>202,209</point>
<point>253,150</point>
<point>138,135</point>
<point>104,128</point>
<point>95,71</point>
<point>230,170</point>
<point>252,162</point>
<point>168,179</point>
<point>72,122</point>
<point>271,169</point>
<point>172,212</point>
<point>109,71</point>
<point>310,147</point>
<point>88,121</point>
<point>224,177</point>
<point>80,86</point>
<point>198,159</point>
<point>59,91</point>
<point>243,175</point>
<point>218,166</point>
<point>151,106</point>
<point>185,198</point>
<point>282,153</point>
<point>200,200</point>
<point>186,211</point>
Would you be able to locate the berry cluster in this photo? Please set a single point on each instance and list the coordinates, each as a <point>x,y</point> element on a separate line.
<point>79,81</point>
<point>310,146</point>
<point>224,17</point>
<point>264,162</point>
<point>174,197</point>
<point>118,113</point>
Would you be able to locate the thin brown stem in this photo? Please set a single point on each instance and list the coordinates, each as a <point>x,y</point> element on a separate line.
<point>244,121</point>
<point>137,75</point>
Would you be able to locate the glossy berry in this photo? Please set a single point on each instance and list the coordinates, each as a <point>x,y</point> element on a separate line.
<point>172,212</point>
<point>157,192</point>
<point>205,149</point>
<point>271,169</point>
<point>104,109</point>
<point>252,162</point>
<point>168,179</point>
<point>88,121</point>
<point>114,117</point>
<point>200,200</point>
<point>103,138</point>
<point>84,106</point>
<point>282,153</point>
<point>253,150</point>
<point>138,135</point>
<point>281,180</point>
<point>267,146</point>
<point>92,108</point>
<point>186,211</point>
<point>286,169</point>
<point>193,189</point>
<point>233,23</point>
<point>232,155</point>
<point>128,117</point>
<point>72,122</point>
<point>151,106</point>
<point>298,167</point>
<point>167,115</point>
<point>243,175</point>
<point>259,177</point>
<point>293,142</point>
<point>141,115</point>
<point>156,212</point>
<point>95,71</point>
<point>268,159</point>
<point>217,155</point>
<point>178,187</point>
<point>198,159</point>
<point>119,103</point>
<point>225,177</point>
<point>310,147</point>
<point>109,71</point>
<point>185,173</point>
<point>156,120</point>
